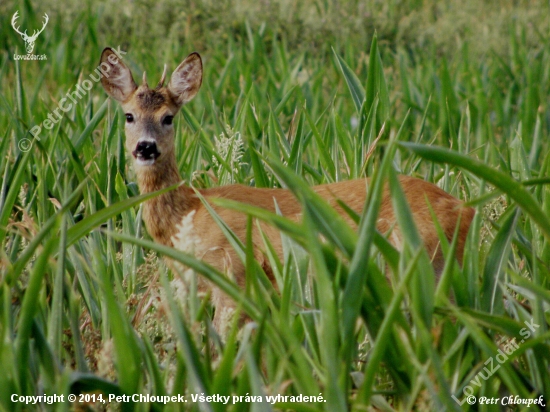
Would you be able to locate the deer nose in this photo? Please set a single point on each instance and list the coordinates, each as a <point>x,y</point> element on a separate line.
<point>146,150</point>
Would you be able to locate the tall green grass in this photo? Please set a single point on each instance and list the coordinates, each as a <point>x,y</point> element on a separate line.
<point>88,306</point>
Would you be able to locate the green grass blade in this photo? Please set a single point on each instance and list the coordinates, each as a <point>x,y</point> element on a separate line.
<point>354,84</point>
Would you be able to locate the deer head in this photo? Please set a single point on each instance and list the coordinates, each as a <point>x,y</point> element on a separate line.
<point>150,111</point>
<point>29,40</point>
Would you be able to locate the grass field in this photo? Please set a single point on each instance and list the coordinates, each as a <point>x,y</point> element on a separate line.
<point>294,93</point>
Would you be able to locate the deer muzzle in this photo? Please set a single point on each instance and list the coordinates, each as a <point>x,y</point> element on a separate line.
<point>146,152</point>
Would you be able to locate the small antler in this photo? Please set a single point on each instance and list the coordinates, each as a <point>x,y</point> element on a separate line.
<point>163,78</point>
<point>37,32</point>
<point>13,21</point>
<point>144,79</point>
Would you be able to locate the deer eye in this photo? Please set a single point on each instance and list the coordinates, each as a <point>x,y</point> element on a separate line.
<point>129,118</point>
<point>167,121</point>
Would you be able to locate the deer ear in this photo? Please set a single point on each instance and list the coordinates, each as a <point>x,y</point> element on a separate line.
<point>117,79</point>
<point>186,79</point>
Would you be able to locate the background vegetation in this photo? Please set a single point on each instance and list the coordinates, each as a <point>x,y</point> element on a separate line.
<point>457,92</point>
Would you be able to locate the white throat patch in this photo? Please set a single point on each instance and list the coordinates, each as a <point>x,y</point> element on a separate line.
<point>186,238</point>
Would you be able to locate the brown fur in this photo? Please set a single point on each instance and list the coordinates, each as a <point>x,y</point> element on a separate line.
<point>150,100</point>
<point>163,214</point>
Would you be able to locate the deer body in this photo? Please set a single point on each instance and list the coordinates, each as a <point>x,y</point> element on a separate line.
<point>179,219</point>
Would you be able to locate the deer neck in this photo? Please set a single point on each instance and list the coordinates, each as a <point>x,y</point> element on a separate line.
<point>164,213</point>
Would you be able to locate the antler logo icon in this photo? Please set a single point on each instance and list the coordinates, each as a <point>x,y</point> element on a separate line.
<point>29,40</point>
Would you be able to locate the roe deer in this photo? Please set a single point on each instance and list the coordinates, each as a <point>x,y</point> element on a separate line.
<point>179,219</point>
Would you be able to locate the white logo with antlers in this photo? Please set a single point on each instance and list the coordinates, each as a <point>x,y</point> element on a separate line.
<point>29,40</point>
